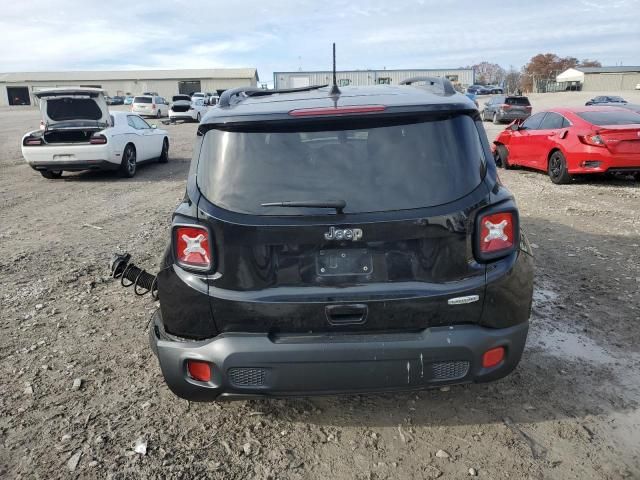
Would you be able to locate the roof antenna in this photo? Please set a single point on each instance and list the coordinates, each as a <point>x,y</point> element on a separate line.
<point>334,88</point>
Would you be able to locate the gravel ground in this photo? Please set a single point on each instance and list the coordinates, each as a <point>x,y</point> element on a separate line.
<point>81,395</point>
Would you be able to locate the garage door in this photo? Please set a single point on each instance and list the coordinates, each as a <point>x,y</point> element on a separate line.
<point>299,82</point>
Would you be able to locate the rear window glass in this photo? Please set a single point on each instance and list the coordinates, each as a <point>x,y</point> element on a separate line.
<point>61,109</point>
<point>517,101</point>
<point>372,165</point>
<point>610,118</point>
<point>142,100</point>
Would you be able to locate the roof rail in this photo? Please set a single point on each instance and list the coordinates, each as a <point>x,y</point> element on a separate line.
<point>443,85</point>
<point>245,92</point>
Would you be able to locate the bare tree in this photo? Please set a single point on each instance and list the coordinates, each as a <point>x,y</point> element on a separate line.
<point>512,80</point>
<point>488,73</point>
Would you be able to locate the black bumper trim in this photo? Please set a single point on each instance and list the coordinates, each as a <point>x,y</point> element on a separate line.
<point>75,166</point>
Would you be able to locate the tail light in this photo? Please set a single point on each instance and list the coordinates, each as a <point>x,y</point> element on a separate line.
<point>32,141</point>
<point>97,139</point>
<point>193,247</point>
<point>497,234</point>
<point>593,140</point>
<point>529,107</point>
<point>505,106</point>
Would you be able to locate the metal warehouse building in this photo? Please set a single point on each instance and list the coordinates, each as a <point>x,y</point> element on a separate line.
<point>18,88</point>
<point>602,79</point>
<point>462,77</point>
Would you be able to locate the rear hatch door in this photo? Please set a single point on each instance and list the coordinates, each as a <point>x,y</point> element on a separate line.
<point>397,257</point>
<point>63,108</point>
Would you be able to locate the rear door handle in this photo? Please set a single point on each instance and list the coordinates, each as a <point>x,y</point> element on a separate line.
<point>351,314</point>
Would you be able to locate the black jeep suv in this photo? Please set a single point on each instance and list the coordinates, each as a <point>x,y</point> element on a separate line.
<point>342,242</point>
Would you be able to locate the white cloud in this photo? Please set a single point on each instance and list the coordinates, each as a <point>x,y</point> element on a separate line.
<point>287,34</point>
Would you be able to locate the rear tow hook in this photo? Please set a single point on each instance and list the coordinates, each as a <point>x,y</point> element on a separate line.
<point>130,275</point>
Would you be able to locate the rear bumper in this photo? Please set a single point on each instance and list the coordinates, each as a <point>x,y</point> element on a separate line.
<point>65,157</point>
<point>245,365</point>
<point>599,160</point>
<point>511,116</point>
<point>180,115</point>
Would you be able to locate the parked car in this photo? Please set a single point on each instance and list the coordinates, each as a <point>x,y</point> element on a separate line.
<point>630,106</point>
<point>605,99</point>
<point>201,95</point>
<point>479,90</point>
<point>117,100</point>
<point>184,108</point>
<point>569,141</point>
<point>301,263</point>
<point>149,106</point>
<point>128,100</point>
<point>212,99</point>
<point>108,100</point>
<point>503,108</point>
<point>493,90</point>
<point>78,133</point>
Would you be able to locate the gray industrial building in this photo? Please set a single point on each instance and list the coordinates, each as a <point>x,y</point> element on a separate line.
<point>458,76</point>
<point>606,79</point>
<point>599,79</point>
<point>18,88</point>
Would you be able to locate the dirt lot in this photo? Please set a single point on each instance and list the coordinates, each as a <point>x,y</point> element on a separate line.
<point>570,411</point>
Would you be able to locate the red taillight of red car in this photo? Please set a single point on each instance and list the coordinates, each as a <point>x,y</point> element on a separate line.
<point>593,140</point>
<point>497,234</point>
<point>193,247</point>
<point>32,141</point>
<point>98,140</point>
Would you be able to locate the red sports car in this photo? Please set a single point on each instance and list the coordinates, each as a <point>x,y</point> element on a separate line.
<point>573,141</point>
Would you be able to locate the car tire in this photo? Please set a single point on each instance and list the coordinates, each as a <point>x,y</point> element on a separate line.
<point>495,119</point>
<point>164,154</point>
<point>129,163</point>
<point>51,174</point>
<point>502,157</point>
<point>557,168</point>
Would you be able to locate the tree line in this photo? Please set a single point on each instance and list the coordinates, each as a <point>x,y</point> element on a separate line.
<point>540,66</point>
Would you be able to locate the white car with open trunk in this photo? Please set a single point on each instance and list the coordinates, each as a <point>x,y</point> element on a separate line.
<point>185,108</point>
<point>77,132</point>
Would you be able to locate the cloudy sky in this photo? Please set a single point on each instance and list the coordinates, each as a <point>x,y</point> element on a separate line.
<point>297,34</point>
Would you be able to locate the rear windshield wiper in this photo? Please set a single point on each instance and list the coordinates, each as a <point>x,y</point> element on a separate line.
<point>337,204</point>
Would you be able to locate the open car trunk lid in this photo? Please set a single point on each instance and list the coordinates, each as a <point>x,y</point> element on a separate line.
<point>72,108</point>
<point>391,261</point>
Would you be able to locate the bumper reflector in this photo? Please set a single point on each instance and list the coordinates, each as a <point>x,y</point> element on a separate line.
<point>492,357</point>
<point>199,370</point>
